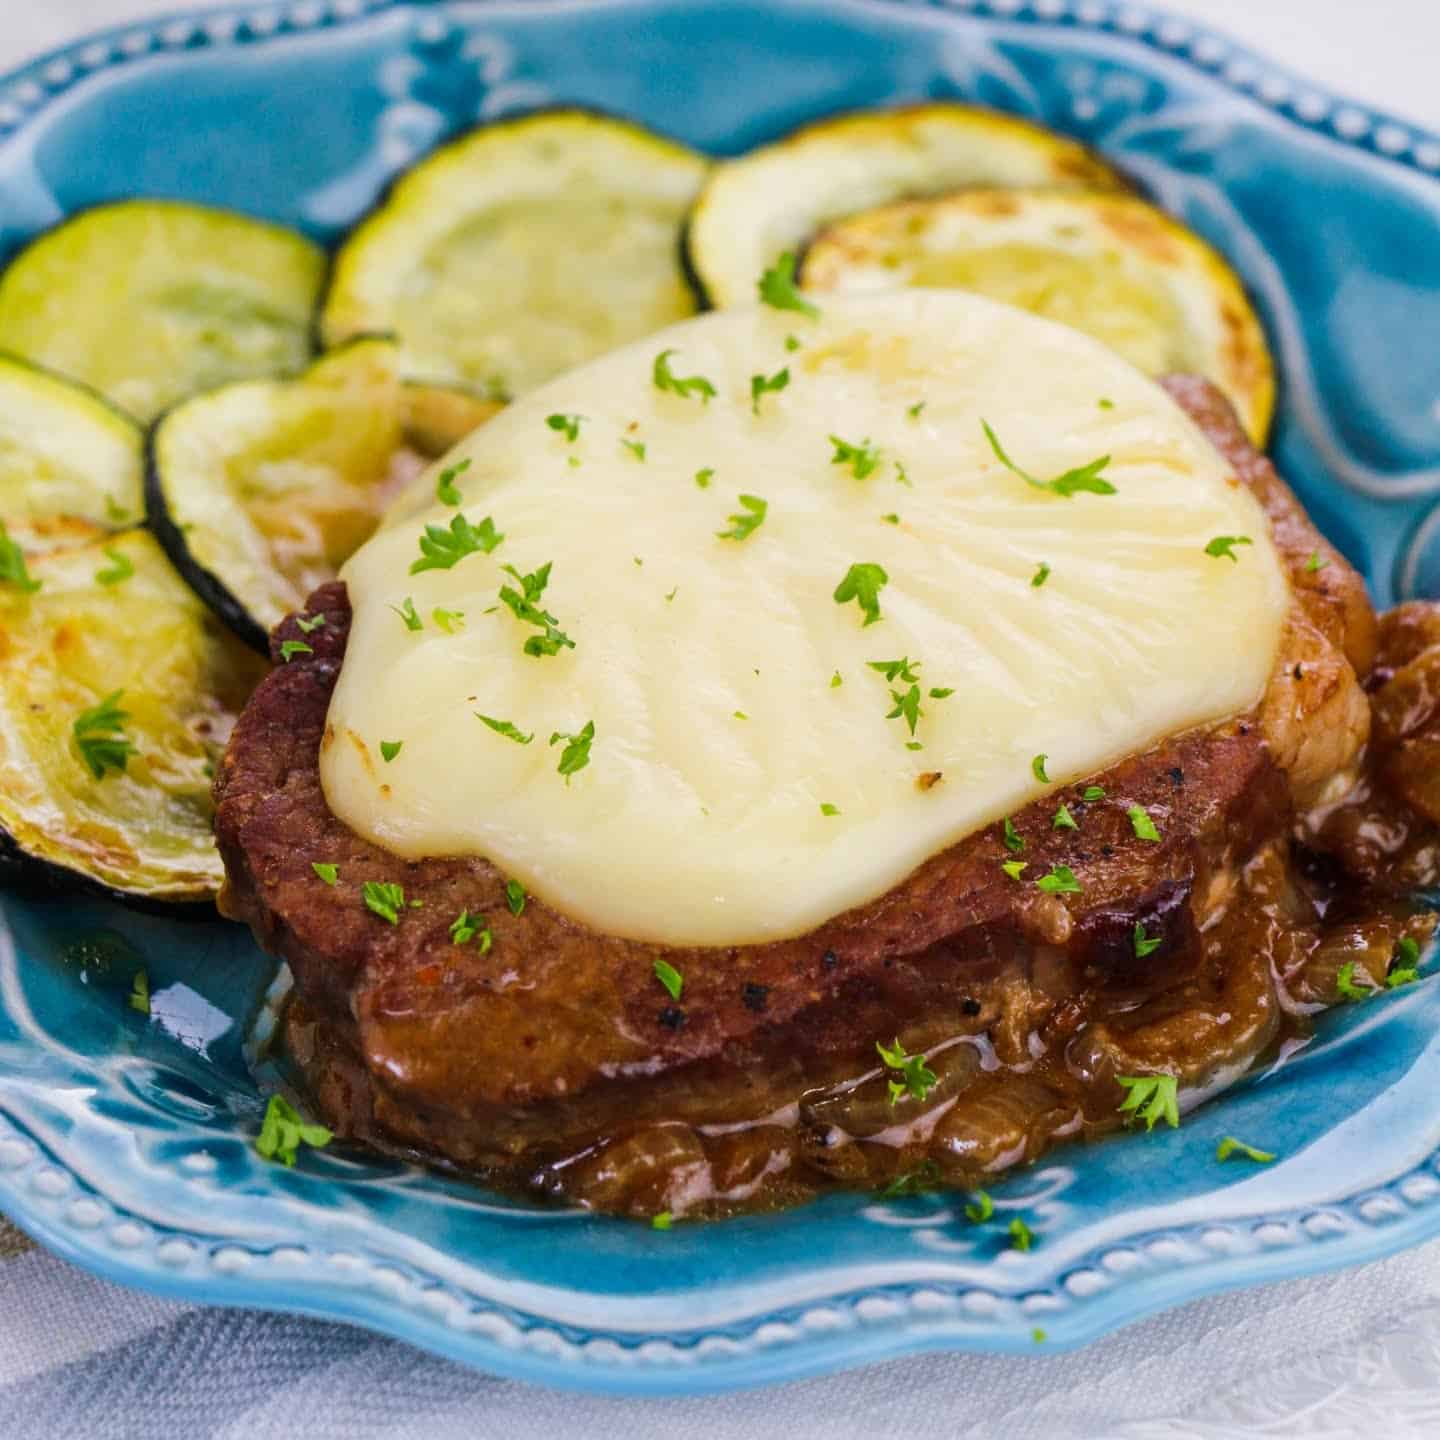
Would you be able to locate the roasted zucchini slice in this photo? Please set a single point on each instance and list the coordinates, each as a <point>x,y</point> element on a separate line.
<point>261,490</point>
<point>1110,265</point>
<point>116,701</point>
<point>152,300</point>
<point>774,199</point>
<point>69,460</point>
<point>521,250</point>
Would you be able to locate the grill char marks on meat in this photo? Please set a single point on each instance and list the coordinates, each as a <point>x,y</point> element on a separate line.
<point>555,1062</point>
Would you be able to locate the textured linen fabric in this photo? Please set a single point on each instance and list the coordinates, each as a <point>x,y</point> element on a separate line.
<point>1340,1356</point>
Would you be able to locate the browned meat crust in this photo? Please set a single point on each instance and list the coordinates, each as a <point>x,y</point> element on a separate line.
<point>556,1059</point>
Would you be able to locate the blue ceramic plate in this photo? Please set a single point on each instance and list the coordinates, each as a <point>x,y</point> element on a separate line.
<point>125,1144</point>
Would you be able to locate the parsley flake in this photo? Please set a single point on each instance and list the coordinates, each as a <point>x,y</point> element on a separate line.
<point>1150,1098</point>
<point>1041,575</point>
<point>863,459</point>
<point>670,978</point>
<point>524,608</point>
<point>636,448</point>
<point>448,620</point>
<point>704,477</point>
<point>904,670</point>
<point>1142,824</point>
<point>1022,1237</point>
<point>12,564</point>
<point>284,1130</point>
<point>913,411</point>
<point>836,681</point>
<point>289,649</point>
<point>566,425</point>
<point>742,526</point>
<point>760,385</point>
<point>462,928</point>
<point>828,809</point>
<point>1145,944</point>
<point>1037,769</point>
<point>1231,1146</point>
<point>1315,563</point>
<point>919,1181</point>
<point>1346,987</point>
<point>907,707</point>
<point>308,624</point>
<point>661,1221</point>
<point>981,1209</point>
<point>100,736</point>
<point>1014,868</point>
<point>120,567</point>
<point>1085,478</point>
<point>778,290</point>
<point>891,519</point>
<point>1093,792</point>
<point>576,754</point>
<point>1404,966</point>
<point>409,615</point>
<point>326,871</point>
<point>666,379</point>
<point>506,728</point>
<point>916,1078</point>
<point>862,583</point>
<point>1014,841</point>
<point>445,491</point>
<point>140,992</point>
<point>385,898</point>
<point>515,897</point>
<point>442,549</point>
<point>389,749</point>
<point>1060,881</point>
<point>1225,545</point>
<point>1063,820</point>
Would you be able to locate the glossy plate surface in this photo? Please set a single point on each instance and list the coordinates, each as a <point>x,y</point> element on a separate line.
<point>125,1143</point>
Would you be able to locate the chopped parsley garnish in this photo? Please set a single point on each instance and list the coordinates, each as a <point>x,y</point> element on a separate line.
<point>1105,403</point>
<point>828,809</point>
<point>289,649</point>
<point>761,385</point>
<point>1038,1335</point>
<point>1402,975</point>
<point>981,1209</point>
<point>778,290</point>
<point>389,749</point>
<point>409,614</point>
<point>445,491</point>
<point>506,728</point>
<point>12,564</point>
<point>1146,944</point>
<point>524,608</point>
<point>1014,868</point>
<point>636,448</point>
<point>661,1221</point>
<point>515,897</point>
<point>326,871</point>
<point>1093,793</point>
<point>1014,840</point>
<point>464,929</point>
<point>1150,1098</point>
<point>704,477</point>
<point>448,620</point>
<point>901,478</point>
<point>836,681</point>
<point>666,379</point>
<point>740,715</point>
<point>308,624</point>
<point>907,707</point>
<point>1063,820</point>
<point>1315,563</point>
<point>284,1130</point>
<point>670,978</point>
<point>863,459</point>
<point>1231,1146</point>
<point>442,549</point>
<point>140,992</point>
<point>120,567</point>
<point>385,898</point>
<point>115,512</point>
<point>1142,824</point>
<point>1346,987</point>
<point>1060,881</point>
<point>792,342</point>
<point>576,754</point>
<point>919,1181</point>
<point>566,425</point>
<point>1225,545</point>
<point>1037,769</point>
<point>673,593</point>
<point>913,411</point>
<point>916,1078</point>
<point>1022,1237</point>
<point>862,584</point>
<point>941,692</point>
<point>1085,478</point>
<point>100,736</point>
<point>1404,966</point>
<point>904,670</point>
<point>744,525</point>
<point>1041,575</point>
<point>891,519</point>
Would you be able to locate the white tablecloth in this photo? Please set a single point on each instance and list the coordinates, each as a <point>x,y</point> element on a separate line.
<point>1349,1355</point>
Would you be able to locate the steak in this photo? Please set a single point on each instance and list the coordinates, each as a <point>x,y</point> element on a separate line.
<point>554,1060</point>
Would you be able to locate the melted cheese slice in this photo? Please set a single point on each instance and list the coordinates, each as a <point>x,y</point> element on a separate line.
<point>706,664</point>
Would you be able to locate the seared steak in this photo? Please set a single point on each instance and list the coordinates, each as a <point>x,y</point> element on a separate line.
<point>555,1060</point>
